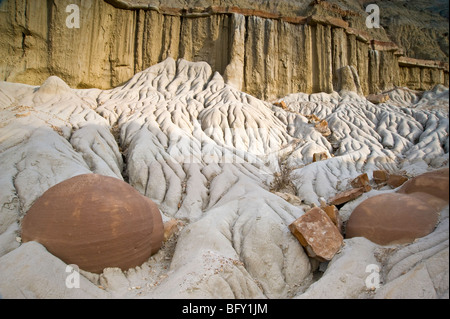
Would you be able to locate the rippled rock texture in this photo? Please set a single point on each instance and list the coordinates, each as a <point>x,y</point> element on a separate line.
<point>207,155</point>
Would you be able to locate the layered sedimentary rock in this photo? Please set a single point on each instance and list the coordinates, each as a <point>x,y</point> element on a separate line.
<point>419,27</point>
<point>260,52</point>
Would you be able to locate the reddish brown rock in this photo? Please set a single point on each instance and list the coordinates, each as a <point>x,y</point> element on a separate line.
<point>360,35</point>
<point>322,128</point>
<point>283,105</point>
<point>431,200</point>
<point>383,46</point>
<point>392,219</point>
<point>380,176</point>
<point>434,183</point>
<point>412,62</point>
<point>312,118</point>
<point>316,232</point>
<point>319,156</point>
<point>333,213</point>
<point>377,98</point>
<point>295,20</point>
<point>346,196</point>
<point>362,181</point>
<point>95,222</point>
<point>335,22</point>
<point>395,181</point>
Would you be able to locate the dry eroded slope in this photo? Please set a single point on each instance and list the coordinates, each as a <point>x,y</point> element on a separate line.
<point>206,154</point>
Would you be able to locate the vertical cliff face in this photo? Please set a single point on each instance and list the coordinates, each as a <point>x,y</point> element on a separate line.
<point>264,55</point>
<point>37,43</point>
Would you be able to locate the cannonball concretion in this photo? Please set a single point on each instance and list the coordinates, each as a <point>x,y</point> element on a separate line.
<point>95,222</point>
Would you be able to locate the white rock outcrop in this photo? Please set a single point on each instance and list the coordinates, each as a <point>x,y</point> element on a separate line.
<point>207,153</point>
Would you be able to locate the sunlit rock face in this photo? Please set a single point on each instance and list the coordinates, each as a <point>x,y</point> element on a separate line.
<point>265,48</point>
<point>95,222</point>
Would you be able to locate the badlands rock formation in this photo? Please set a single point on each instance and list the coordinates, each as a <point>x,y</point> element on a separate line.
<point>318,234</point>
<point>264,48</point>
<point>433,183</point>
<point>419,27</point>
<point>392,218</point>
<point>207,155</point>
<point>95,222</point>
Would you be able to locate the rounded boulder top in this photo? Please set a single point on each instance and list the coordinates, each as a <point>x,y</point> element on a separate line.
<point>95,222</point>
<point>435,183</point>
<point>392,218</point>
<point>409,213</point>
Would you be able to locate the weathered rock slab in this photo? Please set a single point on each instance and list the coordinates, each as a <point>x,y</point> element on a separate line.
<point>346,196</point>
<point>317,233</point>
<point>362,181</point>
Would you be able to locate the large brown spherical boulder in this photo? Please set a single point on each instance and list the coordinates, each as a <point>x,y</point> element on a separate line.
<point>95,222</point>
<point>435,183</point>
<point>412,212</point>
<point>392,218</point>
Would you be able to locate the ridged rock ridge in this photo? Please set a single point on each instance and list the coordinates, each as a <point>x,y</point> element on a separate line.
<point>207,155</point>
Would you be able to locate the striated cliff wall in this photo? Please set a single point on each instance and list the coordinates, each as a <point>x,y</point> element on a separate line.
<point>259,52</point>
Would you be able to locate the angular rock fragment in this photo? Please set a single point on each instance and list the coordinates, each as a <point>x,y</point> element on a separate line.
<point>333,213</point>
<point>316,232</point>
<point>380,176</point>
<point>320,156</point>
<point>361,181</point>
<point>346,196</point>
<point>95,222</point>
<point>377,98</point>
<point>290,198</point>
<point>281,104</point>
<point>395,180</point>
<point>312,118</point>
<point>322,128</point>
<point>170,228</point>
